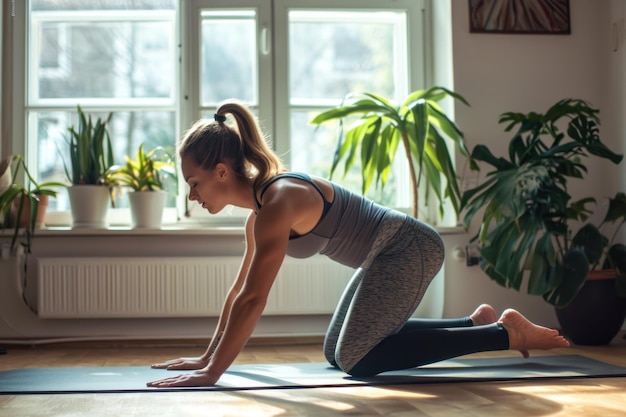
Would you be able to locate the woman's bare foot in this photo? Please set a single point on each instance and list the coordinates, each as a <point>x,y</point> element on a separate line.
<point>525,335</point>
<point>484,314</point>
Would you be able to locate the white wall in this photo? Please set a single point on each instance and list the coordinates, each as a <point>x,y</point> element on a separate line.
<point>614,80</point>
<point>496,73</point>
<point>499,73</point>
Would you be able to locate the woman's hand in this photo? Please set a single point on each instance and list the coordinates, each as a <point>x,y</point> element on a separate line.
<point>194,379</point>
<point>182,364</point>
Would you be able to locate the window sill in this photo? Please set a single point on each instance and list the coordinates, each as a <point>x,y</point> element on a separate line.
<point>190,229</point>
<point>179,229</point>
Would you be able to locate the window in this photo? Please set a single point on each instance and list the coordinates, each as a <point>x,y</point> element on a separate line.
<point>288,59</point>
<point>332,53</point>
<point>108,57</point>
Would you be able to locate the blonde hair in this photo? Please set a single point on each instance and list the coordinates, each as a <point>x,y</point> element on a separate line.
<point>242,146</point>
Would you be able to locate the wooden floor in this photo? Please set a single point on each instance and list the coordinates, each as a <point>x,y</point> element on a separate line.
<point>604,397</point>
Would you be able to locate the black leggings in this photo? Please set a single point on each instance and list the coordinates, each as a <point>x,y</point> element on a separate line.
<point>423,341</point>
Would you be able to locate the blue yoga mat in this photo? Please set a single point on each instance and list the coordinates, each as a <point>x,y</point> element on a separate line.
<point>119,379</point>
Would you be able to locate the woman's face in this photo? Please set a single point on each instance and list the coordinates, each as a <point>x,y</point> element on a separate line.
<point>207,187</point>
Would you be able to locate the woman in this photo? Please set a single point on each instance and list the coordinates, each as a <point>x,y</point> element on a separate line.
<point>395,256</point>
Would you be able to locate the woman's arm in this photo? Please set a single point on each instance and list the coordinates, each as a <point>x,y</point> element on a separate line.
<point>286,206</point>
<point>270,230</point>
<point>187,363</point>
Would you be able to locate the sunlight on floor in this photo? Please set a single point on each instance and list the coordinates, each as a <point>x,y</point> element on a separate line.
<point>578,396</point>
<point>379,393</point>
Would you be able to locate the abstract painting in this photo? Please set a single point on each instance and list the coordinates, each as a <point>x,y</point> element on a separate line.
<point>520,16</point>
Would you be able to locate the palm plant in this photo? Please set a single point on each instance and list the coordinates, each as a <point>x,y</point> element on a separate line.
<point>528,220</point>
<point>419,123</point>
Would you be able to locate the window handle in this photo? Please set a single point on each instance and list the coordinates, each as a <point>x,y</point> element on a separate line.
<point>265,41</point>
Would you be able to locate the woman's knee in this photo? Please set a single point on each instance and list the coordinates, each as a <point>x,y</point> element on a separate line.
<point>432,246</point>
<point>360,369</point>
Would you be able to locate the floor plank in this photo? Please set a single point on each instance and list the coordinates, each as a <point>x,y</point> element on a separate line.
<point>575,397</point>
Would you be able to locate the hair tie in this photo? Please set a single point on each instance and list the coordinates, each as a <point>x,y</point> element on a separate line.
<point>219,118</point>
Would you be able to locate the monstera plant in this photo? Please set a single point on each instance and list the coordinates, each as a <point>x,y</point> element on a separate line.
<point>531,231</point>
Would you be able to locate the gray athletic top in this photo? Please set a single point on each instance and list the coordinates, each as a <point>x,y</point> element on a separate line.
<point>346,229</point>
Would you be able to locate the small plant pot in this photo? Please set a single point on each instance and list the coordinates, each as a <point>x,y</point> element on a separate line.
<point>89,205</point>
<point>5,175</point>
<point>41,211</point>
<point>596,314</point>
<point>146,209</point>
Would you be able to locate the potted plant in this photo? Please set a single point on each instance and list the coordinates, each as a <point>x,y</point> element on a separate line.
<point>91,156</point>
<point>23,205</point>
<point>419,124</point>
<point>143,176</point>
<point>530,229</point>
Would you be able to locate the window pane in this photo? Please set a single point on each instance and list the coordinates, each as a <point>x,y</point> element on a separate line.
<point>229,56</point>
<point>315,149</point>
<point>103,5</point>
<point>127,131</point>
<point>110,55</point>
<point>333,53</point>
<point>91,60</point>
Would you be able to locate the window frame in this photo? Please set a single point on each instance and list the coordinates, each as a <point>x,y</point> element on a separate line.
<point>22,52</point>
<point>281,10</point>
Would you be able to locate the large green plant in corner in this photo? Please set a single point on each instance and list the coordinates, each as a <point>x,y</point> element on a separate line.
<point>530,230</point>
<point>419,124</point>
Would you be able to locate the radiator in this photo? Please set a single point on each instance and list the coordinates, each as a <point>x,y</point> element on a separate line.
<point>176,287</point>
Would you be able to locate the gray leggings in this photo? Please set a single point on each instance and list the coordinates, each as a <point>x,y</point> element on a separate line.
<point>371,330</point>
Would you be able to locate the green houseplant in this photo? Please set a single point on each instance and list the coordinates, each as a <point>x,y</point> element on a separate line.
<point>22,205</point>
<point>144,172</point>
<point>91,157</point>
<point>419,124</point>
<point>143,175</point>
<point>531,232</point>
<point>90,151</point>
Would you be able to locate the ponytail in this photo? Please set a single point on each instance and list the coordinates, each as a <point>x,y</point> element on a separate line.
<point>242,146</point>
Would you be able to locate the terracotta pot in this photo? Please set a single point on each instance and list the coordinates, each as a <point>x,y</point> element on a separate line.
<point>596,314</point>
<point>41,211</point>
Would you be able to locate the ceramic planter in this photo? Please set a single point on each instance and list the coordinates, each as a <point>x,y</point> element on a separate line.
<point>146,209</point>
<point>41,211</point>
<point>5,175</point>
<point>89,205</point>
<point>597,314</point>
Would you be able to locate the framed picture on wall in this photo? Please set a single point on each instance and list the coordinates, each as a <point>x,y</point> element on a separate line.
<point>520,16</point>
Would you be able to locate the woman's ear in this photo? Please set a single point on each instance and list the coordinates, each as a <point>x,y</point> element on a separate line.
<point>222,170</point>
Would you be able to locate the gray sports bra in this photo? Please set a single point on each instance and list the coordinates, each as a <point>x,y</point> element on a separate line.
<point>345,230</point>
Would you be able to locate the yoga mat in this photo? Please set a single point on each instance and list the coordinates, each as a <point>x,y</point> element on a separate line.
<point>118,379</point>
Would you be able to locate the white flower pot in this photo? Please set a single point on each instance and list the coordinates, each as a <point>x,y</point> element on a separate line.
<point>5,174</point>
<point>89,205</point>
<point>146,209</point>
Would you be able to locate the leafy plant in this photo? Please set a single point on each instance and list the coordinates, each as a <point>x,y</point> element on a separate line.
<point>144,172</point>
<point>17,197</point>
<point>419,123</point>
<point>90,151</point>
<point>528,219</point>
